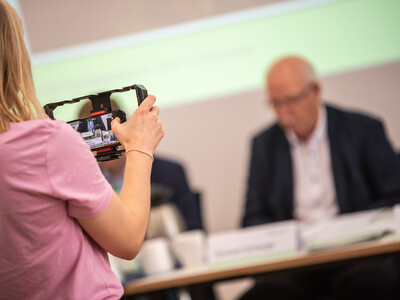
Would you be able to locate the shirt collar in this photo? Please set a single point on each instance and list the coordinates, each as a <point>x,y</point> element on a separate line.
<point>320,131</point>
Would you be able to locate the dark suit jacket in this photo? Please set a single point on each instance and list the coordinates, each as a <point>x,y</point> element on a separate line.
<point>366,170</point>
<point>172,175</point>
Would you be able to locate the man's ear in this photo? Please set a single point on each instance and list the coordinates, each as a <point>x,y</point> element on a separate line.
<point>317,88</point>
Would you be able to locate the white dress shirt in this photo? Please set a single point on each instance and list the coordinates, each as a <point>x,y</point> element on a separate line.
<point>314,189</point>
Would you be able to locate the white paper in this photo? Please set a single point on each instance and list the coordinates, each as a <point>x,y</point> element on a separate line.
<point>348,229</point>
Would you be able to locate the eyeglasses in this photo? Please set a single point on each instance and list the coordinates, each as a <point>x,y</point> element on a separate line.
<point>290,101</point>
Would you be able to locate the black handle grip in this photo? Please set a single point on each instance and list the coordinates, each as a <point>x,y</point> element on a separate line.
<point>141,93</point>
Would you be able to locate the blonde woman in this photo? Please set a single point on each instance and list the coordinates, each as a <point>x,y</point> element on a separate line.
<point>58,214</point>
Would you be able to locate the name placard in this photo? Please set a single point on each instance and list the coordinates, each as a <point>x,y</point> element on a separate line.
<point>254,243</point>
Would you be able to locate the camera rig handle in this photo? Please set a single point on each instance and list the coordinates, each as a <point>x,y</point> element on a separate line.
<point>101,103</point>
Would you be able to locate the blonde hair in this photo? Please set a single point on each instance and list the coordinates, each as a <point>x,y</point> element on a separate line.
<point>18,100</point>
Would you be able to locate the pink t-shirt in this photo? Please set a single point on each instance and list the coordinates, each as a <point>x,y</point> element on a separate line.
<point>48,178</point>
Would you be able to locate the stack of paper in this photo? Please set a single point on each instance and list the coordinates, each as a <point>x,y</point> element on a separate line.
<point>348,229</point>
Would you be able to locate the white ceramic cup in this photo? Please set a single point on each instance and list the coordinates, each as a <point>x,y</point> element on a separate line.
<point>188,248</point>
<point>156,256</point>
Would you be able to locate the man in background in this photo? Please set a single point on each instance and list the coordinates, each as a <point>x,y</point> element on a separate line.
<point>317,161</point>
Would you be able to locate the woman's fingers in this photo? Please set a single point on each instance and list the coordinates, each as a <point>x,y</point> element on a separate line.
<point>148,103</point>
<point>115,123</point>
<point>143,130</point>
<point>155,109</point>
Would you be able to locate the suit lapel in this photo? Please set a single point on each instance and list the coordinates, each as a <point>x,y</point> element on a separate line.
<point>284,180</point>
<point>337,159</point>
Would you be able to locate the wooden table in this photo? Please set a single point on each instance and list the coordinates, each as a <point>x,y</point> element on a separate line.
<point>209,274</point>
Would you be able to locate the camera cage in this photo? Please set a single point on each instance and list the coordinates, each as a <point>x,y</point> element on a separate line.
<point>101,103</point>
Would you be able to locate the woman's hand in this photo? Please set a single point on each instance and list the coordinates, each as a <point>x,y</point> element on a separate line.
<point>143,131</point>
